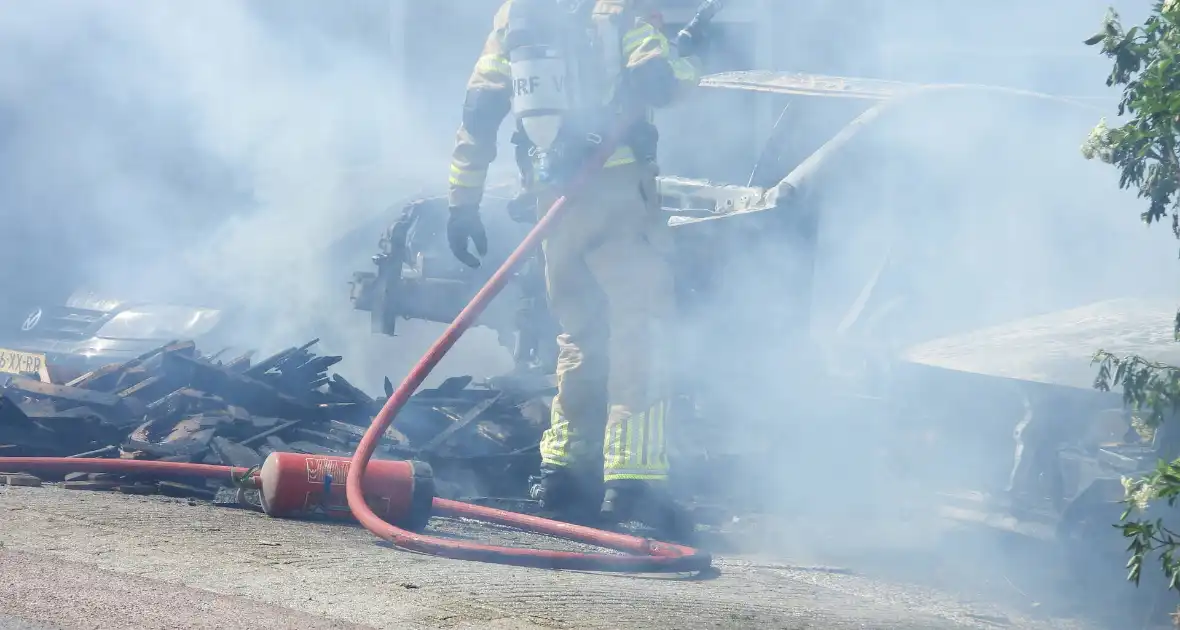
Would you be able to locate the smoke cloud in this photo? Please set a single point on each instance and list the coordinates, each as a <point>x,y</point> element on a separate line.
<point>215,154</point>
<point>958,228</point>
<point>245,155</point>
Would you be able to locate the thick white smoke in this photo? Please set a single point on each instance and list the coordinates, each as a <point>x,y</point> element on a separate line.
<point>213,153</point>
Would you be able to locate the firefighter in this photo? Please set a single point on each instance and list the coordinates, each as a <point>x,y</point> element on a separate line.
<point>607,264</point>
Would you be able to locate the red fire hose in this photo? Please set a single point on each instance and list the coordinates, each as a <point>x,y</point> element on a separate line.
<point>652,556</point>
<point>648,556</point>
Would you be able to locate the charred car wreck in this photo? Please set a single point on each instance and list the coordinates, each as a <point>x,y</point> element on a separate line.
<point>60,342</point>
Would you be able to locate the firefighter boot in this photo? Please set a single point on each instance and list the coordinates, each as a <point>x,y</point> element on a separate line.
<point>650,504</point>
<point>566,495</point>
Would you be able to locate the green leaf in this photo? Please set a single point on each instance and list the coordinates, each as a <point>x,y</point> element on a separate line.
<point>1145,150</point>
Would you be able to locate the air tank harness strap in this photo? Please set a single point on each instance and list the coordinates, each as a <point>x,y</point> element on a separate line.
<point>563,159</point>
<point>524,162</point>
<point>568,156</point>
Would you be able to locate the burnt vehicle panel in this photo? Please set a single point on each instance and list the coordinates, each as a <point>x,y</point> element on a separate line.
<point>90,331</point>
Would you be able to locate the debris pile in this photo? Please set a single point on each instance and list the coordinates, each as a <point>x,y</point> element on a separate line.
<point>174,404</point>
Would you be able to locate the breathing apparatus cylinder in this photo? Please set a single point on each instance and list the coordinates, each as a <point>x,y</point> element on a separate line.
<point>539,70</point>
<point>564,62</point>
<point>540,97</point>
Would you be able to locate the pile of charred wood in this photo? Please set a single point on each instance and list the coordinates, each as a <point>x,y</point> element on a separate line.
<point>175,404</point>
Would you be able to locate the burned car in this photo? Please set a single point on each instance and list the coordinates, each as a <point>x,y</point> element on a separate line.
<point>59,343</point>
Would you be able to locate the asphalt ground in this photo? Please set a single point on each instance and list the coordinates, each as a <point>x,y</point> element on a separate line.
<point>78,559</point>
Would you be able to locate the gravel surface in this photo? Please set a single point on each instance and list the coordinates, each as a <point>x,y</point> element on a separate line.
<point>71,595</point>
<point>103,560</point>
<point>16,623</point>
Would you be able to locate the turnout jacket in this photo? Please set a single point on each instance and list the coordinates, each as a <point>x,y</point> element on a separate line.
<point>652,68</point>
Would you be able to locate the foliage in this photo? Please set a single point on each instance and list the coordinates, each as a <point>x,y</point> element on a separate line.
<point>1146,150</point>
<point>1152,390</point>
<point>1145,147</point>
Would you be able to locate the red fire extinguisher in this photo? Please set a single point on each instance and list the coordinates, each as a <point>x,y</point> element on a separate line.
<point>296,484</point>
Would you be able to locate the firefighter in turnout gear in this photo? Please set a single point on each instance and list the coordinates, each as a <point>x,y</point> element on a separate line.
<point>570,72</point>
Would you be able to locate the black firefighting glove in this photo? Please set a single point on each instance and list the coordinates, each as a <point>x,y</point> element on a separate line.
<point>523,208</point>
<point>466,225</point>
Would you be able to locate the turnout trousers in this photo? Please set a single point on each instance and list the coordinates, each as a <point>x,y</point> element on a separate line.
<point>609,279</point>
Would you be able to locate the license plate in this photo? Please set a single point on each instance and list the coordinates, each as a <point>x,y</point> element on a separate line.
<point>17,362</point>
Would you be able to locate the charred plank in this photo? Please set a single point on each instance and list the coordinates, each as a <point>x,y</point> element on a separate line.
<point>462,423</point>
<point>233,454</point>
<point>244,391</point>
<point>11,413</point>
<point>108,376</point>
<point>63,393</point>
<point>267,434</point>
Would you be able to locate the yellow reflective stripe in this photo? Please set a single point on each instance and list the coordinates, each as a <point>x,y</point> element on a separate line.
<point>635,448</point>
<point>621,156</point>
<point>619,162</point>
<point>634,37</point>
<point>611,453</point>
<point>684,70</point>
<point>467,178</point>
<point>637,476</point>
<point>655,454</point>
<point>555,441</point>
<point>640,36</point>
<point>493,64</point>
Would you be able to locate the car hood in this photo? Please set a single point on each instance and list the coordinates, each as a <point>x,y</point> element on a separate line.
<point>92,326</point>
<point>1057,348</point>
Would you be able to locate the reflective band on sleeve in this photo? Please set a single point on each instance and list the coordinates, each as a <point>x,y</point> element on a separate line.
<point>467,179</point>
<point>642,36</point>
<point>493,64</point>
<point>684,70</point>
